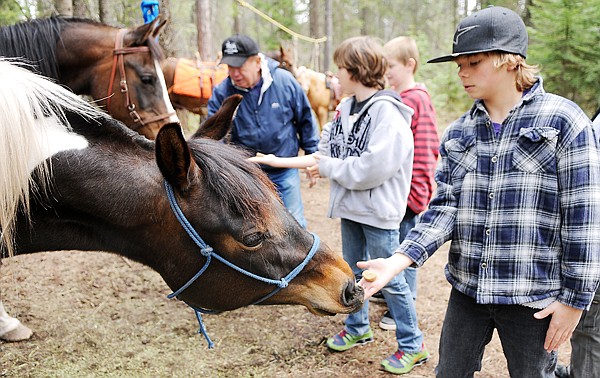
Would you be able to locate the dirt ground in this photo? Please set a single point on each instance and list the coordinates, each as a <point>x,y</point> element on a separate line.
<point>101,315</point>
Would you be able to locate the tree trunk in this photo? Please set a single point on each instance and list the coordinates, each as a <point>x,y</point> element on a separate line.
<point>203,18</point>
<point>527,13</point>
<point>83,8</point>
<point>237,20</point>
<point>315,23</point>
<point>167,36</point>
<point>329,34</point>
<point>106,11</point>
<point>64,7</point>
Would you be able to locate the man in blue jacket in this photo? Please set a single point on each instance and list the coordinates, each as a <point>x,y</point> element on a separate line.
<point>273,118</point>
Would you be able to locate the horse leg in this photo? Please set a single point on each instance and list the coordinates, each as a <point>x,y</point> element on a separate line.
<point>323,115</point>
<point>11,328</point>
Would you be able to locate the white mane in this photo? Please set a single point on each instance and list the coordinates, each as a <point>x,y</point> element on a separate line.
<point>31,115</point>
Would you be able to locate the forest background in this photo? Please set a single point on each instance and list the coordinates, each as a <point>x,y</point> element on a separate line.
<point>564,34</point>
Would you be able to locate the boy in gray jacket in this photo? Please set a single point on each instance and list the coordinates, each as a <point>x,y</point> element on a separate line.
<point>367,153</point>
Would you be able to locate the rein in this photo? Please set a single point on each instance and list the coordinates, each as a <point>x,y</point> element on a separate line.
<point>209,253</point>
<point>118,62</point>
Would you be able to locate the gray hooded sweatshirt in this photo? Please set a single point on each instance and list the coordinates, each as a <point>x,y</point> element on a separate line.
<point>369,162</point>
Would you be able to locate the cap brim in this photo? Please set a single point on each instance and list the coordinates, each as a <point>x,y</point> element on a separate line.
<point>451,57</point>
<point>234,61</point>
<point>441,59</point>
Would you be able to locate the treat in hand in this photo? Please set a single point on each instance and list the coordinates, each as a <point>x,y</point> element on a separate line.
<point>369,276</point>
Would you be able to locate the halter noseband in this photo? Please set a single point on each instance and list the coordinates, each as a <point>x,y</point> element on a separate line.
<point>209,253</point>
<point>118,61</point>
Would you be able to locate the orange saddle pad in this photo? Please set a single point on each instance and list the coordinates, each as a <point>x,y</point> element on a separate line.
<point>197,82</point>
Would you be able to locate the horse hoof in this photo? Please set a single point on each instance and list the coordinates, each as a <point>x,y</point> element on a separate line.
<point>18,334</point>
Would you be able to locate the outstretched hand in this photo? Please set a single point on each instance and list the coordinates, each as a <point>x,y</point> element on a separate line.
<point>261,158</point>
<point>384,270</point>
<point>312,172</point>
<point>563,323</point>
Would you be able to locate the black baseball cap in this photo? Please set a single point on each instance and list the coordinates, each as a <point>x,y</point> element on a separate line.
<point>490,29</point>
<point>236,49</point>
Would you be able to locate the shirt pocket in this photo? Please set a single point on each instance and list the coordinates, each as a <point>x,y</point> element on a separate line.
<point>276,114</point>
<point>535,150</point>
<point>462,157</point>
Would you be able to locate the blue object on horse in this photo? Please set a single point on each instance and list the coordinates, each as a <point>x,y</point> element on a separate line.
<point>149,10</point>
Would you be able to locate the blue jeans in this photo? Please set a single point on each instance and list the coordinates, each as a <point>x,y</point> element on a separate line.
<point>468,328</point>
<point>287,183</point>
<point>409,221</point>
<point>585,343</point>
<point>361,242</point>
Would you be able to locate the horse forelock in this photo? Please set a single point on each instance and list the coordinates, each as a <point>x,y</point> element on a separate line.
<point>239,184</point>
<point>32,114</point>
<point>155,49</point>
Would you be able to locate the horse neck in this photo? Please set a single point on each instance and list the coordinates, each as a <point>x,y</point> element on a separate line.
<point>87,206</point>
<point>168,67</point>
<point>90,166</point>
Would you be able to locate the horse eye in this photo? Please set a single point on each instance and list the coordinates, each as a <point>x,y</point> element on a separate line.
<point>147,79</point>
<point>253,240</point>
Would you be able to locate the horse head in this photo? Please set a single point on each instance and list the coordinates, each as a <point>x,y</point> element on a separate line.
<point>110,189</point>
<point>285,57</point>
<point>119,68</point>
<point>234,209</point>
<point>140,81</point>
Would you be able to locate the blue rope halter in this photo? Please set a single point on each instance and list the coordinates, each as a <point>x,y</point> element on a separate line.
<point>209,253</point>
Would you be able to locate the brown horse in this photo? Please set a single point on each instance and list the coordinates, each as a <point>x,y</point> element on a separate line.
<point>190,83</point>
<point>196,211</point>
<point>323,92</point>
<point>119,68</point>
<point>285,57</point>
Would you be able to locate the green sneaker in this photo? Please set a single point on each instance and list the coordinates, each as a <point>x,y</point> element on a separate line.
<point>344,341</point>
<point>402,363</point>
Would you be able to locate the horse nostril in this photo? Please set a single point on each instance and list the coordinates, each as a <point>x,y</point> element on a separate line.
<point>352,293</point>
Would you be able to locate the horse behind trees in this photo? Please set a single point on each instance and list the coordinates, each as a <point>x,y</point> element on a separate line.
<point>285,57</point>
<point>119,68</point>
<point>196,211</point>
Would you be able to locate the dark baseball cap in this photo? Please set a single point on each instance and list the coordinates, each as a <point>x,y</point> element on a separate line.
<point>236,49</point>
<point>490,29</point>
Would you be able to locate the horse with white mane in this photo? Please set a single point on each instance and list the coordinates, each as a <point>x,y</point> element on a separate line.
<point>173,204</point>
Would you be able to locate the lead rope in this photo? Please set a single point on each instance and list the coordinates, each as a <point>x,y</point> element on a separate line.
<point>208,252</point>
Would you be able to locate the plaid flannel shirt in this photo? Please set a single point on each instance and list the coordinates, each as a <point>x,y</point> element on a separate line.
<point>522,208</point>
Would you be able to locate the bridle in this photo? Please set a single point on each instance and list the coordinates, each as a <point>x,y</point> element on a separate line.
<point>209,253</point>
<point>118,62</point>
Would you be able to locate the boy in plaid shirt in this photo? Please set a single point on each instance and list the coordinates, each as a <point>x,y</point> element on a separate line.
<point>519,196</point>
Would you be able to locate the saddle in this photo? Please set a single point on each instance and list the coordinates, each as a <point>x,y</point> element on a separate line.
<point>198,81</point>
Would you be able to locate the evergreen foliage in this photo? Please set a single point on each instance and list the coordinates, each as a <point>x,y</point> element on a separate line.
<point>564,35</point>
<point>565,42</point>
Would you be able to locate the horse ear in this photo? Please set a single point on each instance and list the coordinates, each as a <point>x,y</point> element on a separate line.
<point>174,157</point>
<point>159,26</point>
<point>219,124</point>
<point>150,30</point>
